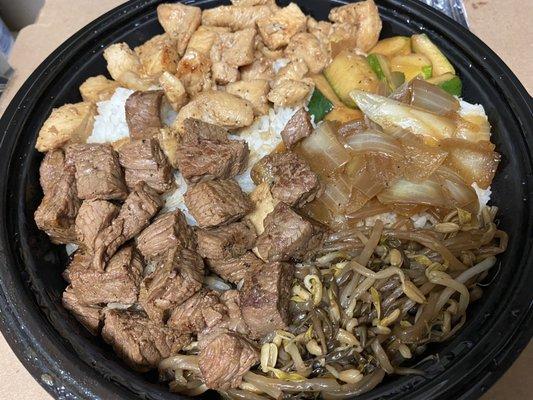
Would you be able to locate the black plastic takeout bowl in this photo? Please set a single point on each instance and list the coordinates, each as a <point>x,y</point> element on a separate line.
<point>70,363</point>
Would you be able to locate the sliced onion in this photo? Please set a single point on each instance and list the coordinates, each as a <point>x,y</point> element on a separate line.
<point>432,98</point>
<point>372,141</point>
<point>323,151</point>
<point>456,191</point>
<point>337,193</point>
<point>428,192</point>
<point>474,162</point>
<point>390,115</point>
<point>421,160</point>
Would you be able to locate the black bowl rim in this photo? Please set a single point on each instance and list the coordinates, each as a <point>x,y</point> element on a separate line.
<point>22,331</point>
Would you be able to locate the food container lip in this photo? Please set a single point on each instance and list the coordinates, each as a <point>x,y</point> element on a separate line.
<point>63,375</point>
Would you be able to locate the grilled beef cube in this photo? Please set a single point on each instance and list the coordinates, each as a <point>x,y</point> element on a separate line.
<point>98,172</point>
<point>143,114</point>
<point>167,231</point>
<point>217,202</point>
<point>291,179</point>
<point>201,311</point>
<point>119,283</point>
<point>287,236</point>
<point>57,212</point>
<point>88,315</point>
<point>234,321</point>
<point>234,269</point>
<point>139,341</point>
<point>81,262</point>
<point>225,358</point>
<point>134,215</point>
<point>173,281</point>
<point>93,217</point>
<point>206,153</point>
<point>144,161</point>
<point>53,169</point>
<point>227,241</point>
<point>265,298</point>
<point>298,128</point>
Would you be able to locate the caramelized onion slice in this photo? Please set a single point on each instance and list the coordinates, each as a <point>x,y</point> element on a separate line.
<point>432,98</point>
<point>428,192</point>
<point>375,142</point>
<point>475,162</point>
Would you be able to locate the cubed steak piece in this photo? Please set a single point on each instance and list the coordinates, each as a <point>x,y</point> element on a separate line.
<point>98,172</point>
<point>93,217</point>
<point>173,281</point>
<point>234,269</point>
<point>119,283</point>
<point>140,206</point>
<point>52,169</point>
<point>144,161</point>
<point>298,128</point>
<point>291,178</point>
<point>169,230</point>
<point>206,153</point>
<point>287,236</point>
<point>57,212</point>
<point>143,114</point>
<point>225,358</point>
<point>217,202</point>
<point>227,241</point>
<point>201,311</point>
<point>81,262</point>
<point>265,297</point>
<point>87,315</point>
<point>139,341</point>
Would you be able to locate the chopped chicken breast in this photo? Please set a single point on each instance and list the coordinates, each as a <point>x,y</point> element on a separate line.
<point>179,21</point>
<point>278,29</point>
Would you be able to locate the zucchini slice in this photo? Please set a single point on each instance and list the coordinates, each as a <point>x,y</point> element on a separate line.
<point>449,82</point>
<point>412,65</point>
<point>349,71</point>
<point>319,105</point>
<point>423,45</point>
<point>381,67</point>
<point>394,46</point>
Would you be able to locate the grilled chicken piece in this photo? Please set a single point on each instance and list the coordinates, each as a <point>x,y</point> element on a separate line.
<point>288,93</point>
<point>70,123</point>
<point>158,54</point>
<point>120,59</point>
<point>98,88</point>
<point>246,3</point>
<point>194,71</point>
<point>202,40</point>
<point>278,28</point>
<point>218,108</point>
<point>174,90</point>
<point>235,18</point>
<point>307,48</point>
<point>362,16</point>
<point>179,21</point>
<point>234,48</point>
<point>254,91</point>
<point>259,69</point>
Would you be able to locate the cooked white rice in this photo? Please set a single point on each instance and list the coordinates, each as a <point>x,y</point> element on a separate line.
<point>262,138</point>
<point>110,122</point>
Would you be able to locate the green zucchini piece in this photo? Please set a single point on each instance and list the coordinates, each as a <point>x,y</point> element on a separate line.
<point>349,71</point>
<point>319,105</point>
